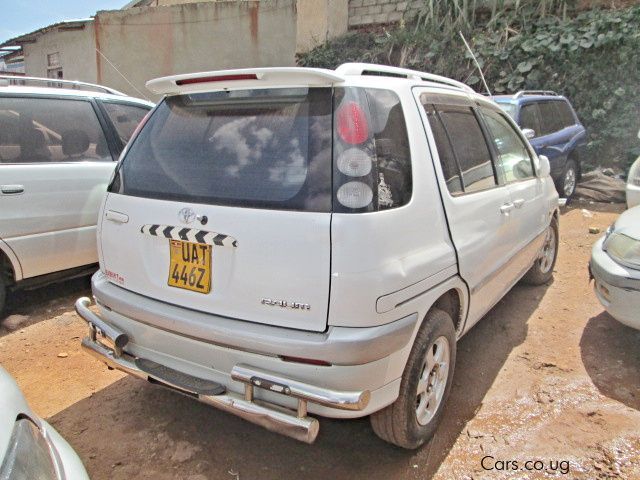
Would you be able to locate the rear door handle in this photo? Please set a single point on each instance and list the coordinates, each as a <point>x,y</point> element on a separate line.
<point>506,208</point>
<point>518,202</point>
<point>116,217</point>
<point>12,189</point>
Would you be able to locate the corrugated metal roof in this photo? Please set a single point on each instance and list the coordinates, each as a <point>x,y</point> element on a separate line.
<point>21,38</point>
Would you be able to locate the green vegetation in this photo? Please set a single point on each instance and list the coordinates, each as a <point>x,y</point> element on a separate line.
<point>592,57</point>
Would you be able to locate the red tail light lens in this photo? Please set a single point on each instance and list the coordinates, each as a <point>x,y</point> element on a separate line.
<point>352,124</point>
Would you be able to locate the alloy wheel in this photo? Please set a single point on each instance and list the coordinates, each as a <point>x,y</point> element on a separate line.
<point>433,380</point>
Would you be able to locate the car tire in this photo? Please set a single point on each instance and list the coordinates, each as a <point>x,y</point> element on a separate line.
<point>411,421</point>
<point>568,180</point>
<point>542,269</point>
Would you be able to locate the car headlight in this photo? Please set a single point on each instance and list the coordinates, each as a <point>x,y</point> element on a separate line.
<point>624,249</point>
<point>29,455</point>
<point>634,174</point>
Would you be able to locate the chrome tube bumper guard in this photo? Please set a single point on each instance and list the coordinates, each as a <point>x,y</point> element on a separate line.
<point>294,424</point>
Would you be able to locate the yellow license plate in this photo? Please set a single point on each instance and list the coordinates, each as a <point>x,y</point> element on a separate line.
<point>190,266</point>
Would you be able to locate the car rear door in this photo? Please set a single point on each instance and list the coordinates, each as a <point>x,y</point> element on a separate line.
<point>223,205</point>
<point>529,218</point>
<point>478,208</point>
<point>54,169</point>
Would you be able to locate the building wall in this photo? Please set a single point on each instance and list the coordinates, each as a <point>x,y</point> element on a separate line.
<point>319,21</point>
<point>77,53</point>
<point>368,12</point>
<point>148,42</point>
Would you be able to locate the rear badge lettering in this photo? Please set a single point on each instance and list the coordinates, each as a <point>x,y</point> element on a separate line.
<point>115,277</point>
<point>284,304</point>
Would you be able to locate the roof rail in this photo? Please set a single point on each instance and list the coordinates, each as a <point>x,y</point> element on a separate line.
<point>384,70</point>
<point>55,83</point>
<point>522,93</point>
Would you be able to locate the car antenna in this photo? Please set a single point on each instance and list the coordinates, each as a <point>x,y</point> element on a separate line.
<point>476,62</point>
<point>122,75</point>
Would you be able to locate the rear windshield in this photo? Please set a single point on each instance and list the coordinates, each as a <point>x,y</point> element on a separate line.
<point>266,148</point>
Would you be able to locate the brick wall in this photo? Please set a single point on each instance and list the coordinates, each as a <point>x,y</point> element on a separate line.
<point>368,12</point>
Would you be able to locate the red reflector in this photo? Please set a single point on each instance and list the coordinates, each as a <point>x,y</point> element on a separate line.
<point>219,78</point>
<point>308,361</point>
<point>352,124</point>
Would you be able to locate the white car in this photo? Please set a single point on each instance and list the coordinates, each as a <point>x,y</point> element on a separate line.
<point>29,447</point>
<point>58,148</point>
<point>615,267</point>
<point>280,242</point>
<point>633,185</point>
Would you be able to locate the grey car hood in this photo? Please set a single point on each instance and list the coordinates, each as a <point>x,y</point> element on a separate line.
<point>12,404</point>
<point>629,223</point>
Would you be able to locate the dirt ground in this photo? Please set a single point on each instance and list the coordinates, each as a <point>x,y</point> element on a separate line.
<point>545,377</point>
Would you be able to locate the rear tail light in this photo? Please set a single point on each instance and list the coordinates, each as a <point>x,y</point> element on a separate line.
<point>355,162</point>
<point>371,153</point>
<point>352,124</point>
<point>355,167</point>
<point>355,195</point>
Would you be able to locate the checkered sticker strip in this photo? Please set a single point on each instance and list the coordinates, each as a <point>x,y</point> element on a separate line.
<point>189,235</point>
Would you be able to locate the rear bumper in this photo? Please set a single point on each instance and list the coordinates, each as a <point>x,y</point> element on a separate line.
<point>337,346</point>
<point>295,424</point>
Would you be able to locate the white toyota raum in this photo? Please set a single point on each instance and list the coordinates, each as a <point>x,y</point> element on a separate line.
<point>279,242</point>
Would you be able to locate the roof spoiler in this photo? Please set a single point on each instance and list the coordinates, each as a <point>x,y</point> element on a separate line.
<point>243,78</point>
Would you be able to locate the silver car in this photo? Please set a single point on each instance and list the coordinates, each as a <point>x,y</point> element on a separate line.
<point>615,267</point>
<point>29,447</point>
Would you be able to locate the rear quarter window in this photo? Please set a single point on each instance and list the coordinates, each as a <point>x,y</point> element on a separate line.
<point>566,114</point>
<point>551,121</point>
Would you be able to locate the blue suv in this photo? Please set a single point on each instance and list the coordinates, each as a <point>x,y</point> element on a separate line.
<point>554,130</point>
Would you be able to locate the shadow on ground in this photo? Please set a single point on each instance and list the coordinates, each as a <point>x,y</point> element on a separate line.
<point>44,302</point>
<point>611,355</point>
<point>593,207</point>
<point>134,430</point>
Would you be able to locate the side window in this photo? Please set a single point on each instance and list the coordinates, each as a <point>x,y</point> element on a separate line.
<point>469,147</point>
<point>551,121</point>
<point>529,118</point>
<point>447,159</point>
<point>125,118</point>
<point>39,130</point>
<point>514,158</point>
<point>566,115</point>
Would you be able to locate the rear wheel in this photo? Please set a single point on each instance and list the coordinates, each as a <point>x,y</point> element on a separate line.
<point>542,269</point>
<point>413,418</point>
<point>569,179</point>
